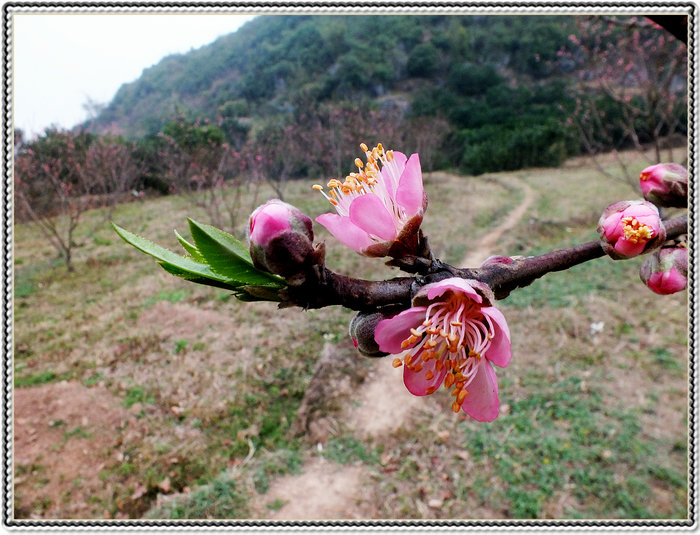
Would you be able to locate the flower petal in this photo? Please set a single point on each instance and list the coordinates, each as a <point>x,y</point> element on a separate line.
<point>389,333</point>
<point>455,284</point>
<point>410,194</point>
<point>417,383</point>
<point>346,231</point>
<point>482,402</point>
<point>499,351</point>
<point>369,213</point>
<point>612,226</point>
<point>628,248</point>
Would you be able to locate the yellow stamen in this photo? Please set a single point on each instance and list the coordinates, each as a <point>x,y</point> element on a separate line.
<point>396,363</point>
<point>449,380</point>
<point>317,187</point>
<point>635,231</point>
<point>461,396</point>
<point>359,163</point>
<point>429,375</point>
<point>363,147</point>
<point>455,406</point>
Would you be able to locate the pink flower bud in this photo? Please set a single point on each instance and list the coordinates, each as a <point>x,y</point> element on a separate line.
<point>630,228</point>
<point>665,184</point>
<point>280,238</point>
<point>666,271</point>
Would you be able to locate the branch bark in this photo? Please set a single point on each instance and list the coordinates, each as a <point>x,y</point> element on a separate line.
<point>322,287</point>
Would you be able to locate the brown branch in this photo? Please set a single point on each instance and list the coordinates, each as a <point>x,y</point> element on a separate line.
<point>322,287</point>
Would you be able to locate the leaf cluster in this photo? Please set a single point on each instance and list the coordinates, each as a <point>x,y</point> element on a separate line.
<point>215,258</point>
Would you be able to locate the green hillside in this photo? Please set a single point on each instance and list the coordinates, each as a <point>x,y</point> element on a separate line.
<point>489,92</point>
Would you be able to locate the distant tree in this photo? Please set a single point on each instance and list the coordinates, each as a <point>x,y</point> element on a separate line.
<point>423,60</point>
<point>632,87</point>
<point>198,162</point>
<point>50,189</point>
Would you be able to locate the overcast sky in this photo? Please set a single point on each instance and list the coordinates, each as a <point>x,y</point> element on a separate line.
<point>60,61</point>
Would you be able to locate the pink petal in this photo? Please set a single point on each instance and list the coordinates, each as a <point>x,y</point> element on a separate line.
<point>417,383</point>
<point>369,213</point>
<point>667,282</point>
<point>456,284</point>
<point>499,351</point>
<point>482,402</point>
<point>410,194</point>
<point>389,333</point>
<point>629,249</point>
<point>641,210</point>
<point>612,226</point>
<point>268,221</point>
<point>346,231</point>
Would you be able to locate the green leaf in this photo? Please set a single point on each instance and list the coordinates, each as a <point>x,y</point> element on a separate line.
<point>191,249</point>
<point>181,264</point>
<point>229,257</point>
<point>174,270</point>
<point>236,247</point>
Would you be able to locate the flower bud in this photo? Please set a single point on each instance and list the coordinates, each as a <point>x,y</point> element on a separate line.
<point>665,184</point>
<point>362,333</point>
<point>280,238</point>
<point>630,228</point>
<point>666,271</point>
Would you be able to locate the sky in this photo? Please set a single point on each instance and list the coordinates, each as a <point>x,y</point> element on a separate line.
<point>63,61</point>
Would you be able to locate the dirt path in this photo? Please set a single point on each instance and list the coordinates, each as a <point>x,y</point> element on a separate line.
<point>487,243</point>
<point>380,406</point>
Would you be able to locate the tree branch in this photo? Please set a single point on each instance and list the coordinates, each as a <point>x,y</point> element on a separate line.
<point>322,287</point>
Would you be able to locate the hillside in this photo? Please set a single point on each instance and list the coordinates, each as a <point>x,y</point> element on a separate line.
<point>261,68</point>
<point>494,91</point>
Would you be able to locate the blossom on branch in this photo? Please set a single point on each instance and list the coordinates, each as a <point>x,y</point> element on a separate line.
<point>666,271</point>
<point>665,184</point>
<point>280,238</point>
<point>379,211</point>
<point>630,228</point>
<point>453,336</point>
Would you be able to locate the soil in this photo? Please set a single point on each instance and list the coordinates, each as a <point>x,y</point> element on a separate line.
<point>65,435</point>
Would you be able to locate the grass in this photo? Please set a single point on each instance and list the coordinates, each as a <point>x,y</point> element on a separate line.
<point>593,424</point>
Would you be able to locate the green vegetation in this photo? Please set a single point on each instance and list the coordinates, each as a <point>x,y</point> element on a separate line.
<point>502,83</point>
<point>592,426</point>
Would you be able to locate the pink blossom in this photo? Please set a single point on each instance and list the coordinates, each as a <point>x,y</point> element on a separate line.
<point>666,271</point>
<point>379,212</point>
<point>665,184</point>
<point>280,238</point>
<point>453,336</point>
<point>630,228</point>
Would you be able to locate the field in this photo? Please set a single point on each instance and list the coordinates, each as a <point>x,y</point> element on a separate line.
<point>140,395</point>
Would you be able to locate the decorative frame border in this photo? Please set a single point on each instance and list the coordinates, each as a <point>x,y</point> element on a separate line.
<point>688,7</point>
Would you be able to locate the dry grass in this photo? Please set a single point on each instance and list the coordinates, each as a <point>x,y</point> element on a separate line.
<point>207,389</point>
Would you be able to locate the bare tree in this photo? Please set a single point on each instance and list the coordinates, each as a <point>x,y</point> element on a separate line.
<point>199,163</point>
<point>632,88</point>
<point>49,192</point>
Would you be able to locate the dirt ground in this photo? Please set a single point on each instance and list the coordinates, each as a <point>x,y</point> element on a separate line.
<point>66,434</point>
